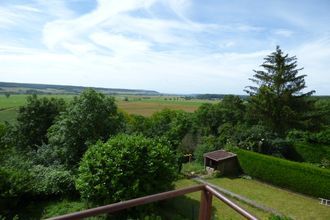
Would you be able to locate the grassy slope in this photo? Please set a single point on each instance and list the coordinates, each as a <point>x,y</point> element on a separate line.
<point>220,210</point>
<point>291,204</point>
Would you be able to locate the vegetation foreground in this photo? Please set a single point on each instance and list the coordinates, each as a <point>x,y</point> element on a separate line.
<point>64,154</point>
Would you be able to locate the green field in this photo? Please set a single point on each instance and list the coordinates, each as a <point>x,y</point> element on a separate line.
<point>140,105</point>
<point>9,106</point>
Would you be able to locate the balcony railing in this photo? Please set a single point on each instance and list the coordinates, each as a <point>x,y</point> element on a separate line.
<point>207,193</point>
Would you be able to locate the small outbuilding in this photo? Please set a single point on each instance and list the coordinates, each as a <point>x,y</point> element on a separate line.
<point>223,161</point>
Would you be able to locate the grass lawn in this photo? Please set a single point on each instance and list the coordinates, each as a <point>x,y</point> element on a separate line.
<point>290,204</point>
<point>186,206</point>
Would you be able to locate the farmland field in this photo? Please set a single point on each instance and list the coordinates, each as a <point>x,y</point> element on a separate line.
<point>140,105</point>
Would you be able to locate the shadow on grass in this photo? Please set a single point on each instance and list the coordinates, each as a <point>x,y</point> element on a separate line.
<point>180,208</point>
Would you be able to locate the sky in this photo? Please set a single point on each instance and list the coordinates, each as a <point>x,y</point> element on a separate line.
<point>171,46</point>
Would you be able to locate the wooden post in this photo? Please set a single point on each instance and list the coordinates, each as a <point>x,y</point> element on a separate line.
<point>205,207</point>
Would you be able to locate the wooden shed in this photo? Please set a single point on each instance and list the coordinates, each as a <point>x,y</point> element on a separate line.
<point>225,162</point>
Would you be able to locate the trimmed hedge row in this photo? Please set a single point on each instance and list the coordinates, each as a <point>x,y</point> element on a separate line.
<point>299,177</point>
<point>312,153</point>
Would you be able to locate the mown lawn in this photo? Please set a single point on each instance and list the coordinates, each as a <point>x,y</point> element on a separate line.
<point>186,206</point>
<point>179,208</point>
<point>291,204</point>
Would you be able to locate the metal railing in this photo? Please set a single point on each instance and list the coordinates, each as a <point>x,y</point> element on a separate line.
<point>205,207</point>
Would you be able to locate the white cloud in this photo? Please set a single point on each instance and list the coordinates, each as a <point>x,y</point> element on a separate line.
<point>283,32</point>
<point>314,56</point>
<point>124,44</point>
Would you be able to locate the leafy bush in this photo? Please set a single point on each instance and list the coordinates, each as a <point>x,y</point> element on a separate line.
<point>321,137</point>
<point>89,118</point>
<point>208,144</point>
<point>125,167</point>
<point>62,207</point>
<point>34,119</point>
<point>51,180</point>
<point>14,183</point>
<point>299,177</point>
<point>192,167</point>
<point>312,153</point>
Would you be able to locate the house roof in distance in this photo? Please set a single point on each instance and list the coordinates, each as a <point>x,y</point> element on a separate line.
<point>219,155</point>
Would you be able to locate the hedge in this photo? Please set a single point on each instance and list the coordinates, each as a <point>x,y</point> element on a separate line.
<point>312,153</point>
<point>299,177</point>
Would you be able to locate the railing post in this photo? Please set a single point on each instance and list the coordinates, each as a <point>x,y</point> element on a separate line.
<point>205,207</point>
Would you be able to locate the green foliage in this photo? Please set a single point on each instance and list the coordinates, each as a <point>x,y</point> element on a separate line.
<point>125,167</point>
<point>193,167</point>
<point>172,125</point>
<point>209,118</point>
<point>53,180</point>
<point>278,101</point>
<point>14,183</point>
<point>208,144</point>
<point>137,124</point>
<point>62,207</point>
<point>277,217</point>
<point>233,109</point>
<point>295,176</point>
<point>34,119</point>
<point>311,153</point>
<point>310,147</point>
<point>3,132</point>
<point>89,118</point>
<point>321,137</point>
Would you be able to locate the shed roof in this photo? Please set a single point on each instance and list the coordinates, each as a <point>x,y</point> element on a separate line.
<point>219,155</point>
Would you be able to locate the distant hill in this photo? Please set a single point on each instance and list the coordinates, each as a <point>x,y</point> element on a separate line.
<point>27,88</point>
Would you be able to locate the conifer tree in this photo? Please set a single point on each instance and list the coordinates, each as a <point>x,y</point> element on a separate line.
<point>278,100</point>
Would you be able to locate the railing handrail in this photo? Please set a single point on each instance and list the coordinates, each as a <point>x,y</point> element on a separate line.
<point>205,204</point>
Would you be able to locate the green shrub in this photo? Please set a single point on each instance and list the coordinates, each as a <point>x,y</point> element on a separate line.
<point>312,153</point>
<point>51,180</point>
<point>192,167</point>
<point>125,167</point>
<point>90,117</point>
<point>209,143</point>
<point>62,208</point>
<point>299,177</point>
<point>14,182</point>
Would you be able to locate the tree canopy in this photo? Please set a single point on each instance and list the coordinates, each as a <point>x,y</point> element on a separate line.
<point>90,117</point>
<point>278,100</point>
<point>34,119</point>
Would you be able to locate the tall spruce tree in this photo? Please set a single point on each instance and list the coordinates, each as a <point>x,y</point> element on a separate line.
<point>278,100</point>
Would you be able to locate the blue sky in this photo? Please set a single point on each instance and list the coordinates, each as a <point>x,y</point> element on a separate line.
<point>172,46</point>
